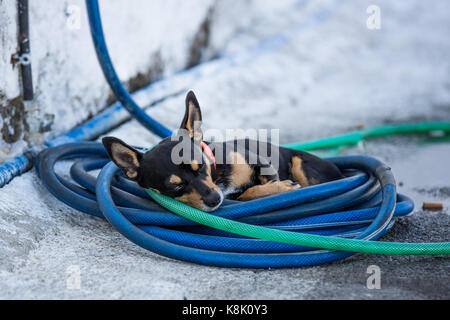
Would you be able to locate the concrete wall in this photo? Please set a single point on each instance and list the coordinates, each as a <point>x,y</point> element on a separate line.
<point>147,40</point>
<point>11,109</point>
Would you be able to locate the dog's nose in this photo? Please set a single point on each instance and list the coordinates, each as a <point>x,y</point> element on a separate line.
<point>213,199</point>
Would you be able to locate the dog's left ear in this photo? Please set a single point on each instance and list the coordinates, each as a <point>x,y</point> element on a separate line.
<point>125,157</point>
<point>192,121</point>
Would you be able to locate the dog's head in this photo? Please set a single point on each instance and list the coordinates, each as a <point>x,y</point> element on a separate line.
<point>176,167</point>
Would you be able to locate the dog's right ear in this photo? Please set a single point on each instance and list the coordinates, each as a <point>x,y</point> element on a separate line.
<point>125,157</point>
<point>191,124</point>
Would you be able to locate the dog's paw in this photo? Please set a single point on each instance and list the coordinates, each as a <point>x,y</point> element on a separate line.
<point>288,185</point>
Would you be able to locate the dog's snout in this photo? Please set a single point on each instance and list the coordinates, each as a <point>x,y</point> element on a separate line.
<point>213,199</point>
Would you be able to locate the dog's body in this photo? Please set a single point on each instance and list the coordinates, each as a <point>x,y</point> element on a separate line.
<point>234,169</point>
<point>242,179</point>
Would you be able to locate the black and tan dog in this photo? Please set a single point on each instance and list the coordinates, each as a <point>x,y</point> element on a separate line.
<point>213,171</point>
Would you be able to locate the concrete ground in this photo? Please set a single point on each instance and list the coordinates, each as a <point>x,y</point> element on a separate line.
<point>330,79</point>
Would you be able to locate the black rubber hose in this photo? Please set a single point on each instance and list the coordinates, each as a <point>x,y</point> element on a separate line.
<point>24,46</point>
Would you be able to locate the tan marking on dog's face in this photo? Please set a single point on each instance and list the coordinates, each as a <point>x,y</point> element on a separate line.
<point>195,165</point>
<point>175,179</point>
<point>297,172</point>
<point>193,199</point>
<point>269,189</point>
<point>241,173</point>
<point>210,184</point>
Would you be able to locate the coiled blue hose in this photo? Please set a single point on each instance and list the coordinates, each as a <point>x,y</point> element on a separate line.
<point>356,198</point>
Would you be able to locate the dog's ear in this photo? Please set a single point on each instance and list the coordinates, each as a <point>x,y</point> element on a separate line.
<point>192,121</point>
<point>125,157</point>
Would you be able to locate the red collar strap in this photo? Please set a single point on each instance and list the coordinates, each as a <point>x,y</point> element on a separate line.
<point>207,150</point>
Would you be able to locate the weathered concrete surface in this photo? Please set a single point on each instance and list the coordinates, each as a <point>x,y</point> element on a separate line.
<point>332,78</point>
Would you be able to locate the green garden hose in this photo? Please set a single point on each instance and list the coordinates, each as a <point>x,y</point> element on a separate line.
<point>356,137</point>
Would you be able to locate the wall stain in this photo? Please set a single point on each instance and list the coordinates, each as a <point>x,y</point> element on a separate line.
<point>142,79</point>
<point>199,44</point>
<point>12,113</point>
<point>201,41</point>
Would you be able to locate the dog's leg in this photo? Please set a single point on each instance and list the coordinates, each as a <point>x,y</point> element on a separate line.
<point>268,189</point>
<point>298,173</point>
<point>309,170</point>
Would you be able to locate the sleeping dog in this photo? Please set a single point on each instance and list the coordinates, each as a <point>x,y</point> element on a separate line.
<point>209,172</point>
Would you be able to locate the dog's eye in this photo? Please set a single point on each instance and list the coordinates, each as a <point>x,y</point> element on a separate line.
<point>178,187</point>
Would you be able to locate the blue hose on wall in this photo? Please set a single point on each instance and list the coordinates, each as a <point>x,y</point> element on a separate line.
<point>111,76</point>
